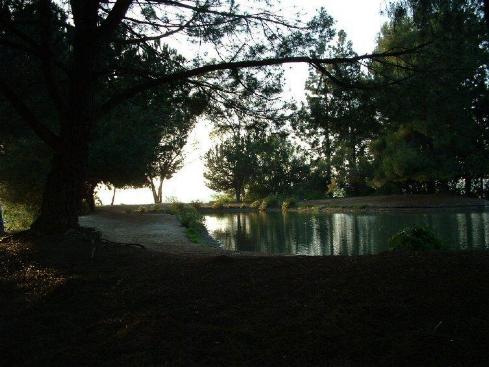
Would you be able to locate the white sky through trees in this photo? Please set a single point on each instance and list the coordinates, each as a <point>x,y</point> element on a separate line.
<point>361,19</point>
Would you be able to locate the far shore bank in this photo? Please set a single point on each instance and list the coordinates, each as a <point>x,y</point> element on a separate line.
<point>348,204</point>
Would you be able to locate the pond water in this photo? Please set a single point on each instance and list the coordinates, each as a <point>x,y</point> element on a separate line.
<point>342,233</point>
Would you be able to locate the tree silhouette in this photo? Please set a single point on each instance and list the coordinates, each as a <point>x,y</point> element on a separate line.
<point>95,30</point>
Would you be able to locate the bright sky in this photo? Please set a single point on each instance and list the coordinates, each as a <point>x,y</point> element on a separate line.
<point>361,19</point>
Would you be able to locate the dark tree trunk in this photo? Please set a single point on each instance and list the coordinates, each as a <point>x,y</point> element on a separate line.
<point>328,154</point>
<point>89,195</point>
<point>2,226</point>
<point>62,194</point>
<point>238,194</point>
<point>468,186</point>
<point>153,190</point>
<point>113,197</point>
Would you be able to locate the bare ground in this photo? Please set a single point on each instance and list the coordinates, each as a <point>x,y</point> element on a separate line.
<point>156,232</point>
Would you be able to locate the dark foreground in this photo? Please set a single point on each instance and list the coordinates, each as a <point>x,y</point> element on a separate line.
<point>131,307</point>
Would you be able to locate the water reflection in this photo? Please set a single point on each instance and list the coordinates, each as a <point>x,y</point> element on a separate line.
<point>341,233</point>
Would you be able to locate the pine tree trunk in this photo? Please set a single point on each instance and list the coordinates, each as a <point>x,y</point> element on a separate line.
<point>63,190</point>
<point>89,195</point>
<point>62,194</point>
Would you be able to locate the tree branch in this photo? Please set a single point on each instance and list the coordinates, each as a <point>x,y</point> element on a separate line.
<point>114,18</point>
<point>189,73</point>
<point>259,17</point>
<point>46,55</point>
<point>160,36</point>
<point>28,116</point>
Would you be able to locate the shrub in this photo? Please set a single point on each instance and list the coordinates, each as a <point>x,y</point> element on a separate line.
<point>255,204</point>
<point>414,239</point>
<point>268,202</point>
<point>176,206</point>
<point>141,210</point>
<point>156,207</point>
<point>190,218</point>
<point>289,203</point>
<point>223,198</point>
<point>217,205</point>
<point>197,204</point>
<point>18,217</point>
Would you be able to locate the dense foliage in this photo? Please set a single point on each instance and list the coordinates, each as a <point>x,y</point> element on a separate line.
<point>253,167</point>
<point>415,124</point>
<point>414,239</point>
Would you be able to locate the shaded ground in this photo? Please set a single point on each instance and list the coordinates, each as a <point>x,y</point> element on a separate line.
<point>157,232</point>
<point>131,307</point>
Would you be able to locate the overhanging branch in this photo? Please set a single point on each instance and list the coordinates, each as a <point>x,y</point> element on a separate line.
<point>263,17</point>
<point>114,18</point>
<point>181,75</point>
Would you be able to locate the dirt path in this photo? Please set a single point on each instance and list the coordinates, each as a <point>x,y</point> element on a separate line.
<point>157,232</point>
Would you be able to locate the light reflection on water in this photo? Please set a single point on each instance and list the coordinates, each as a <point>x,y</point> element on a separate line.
<point>342,233</point>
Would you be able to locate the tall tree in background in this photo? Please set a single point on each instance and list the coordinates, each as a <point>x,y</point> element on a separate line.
<point>338,120</point>
<point>258,165</point>
<point>434,129</point>
<point>231,165</point>
<point>169,153</point>
<point>80,81</point>
<point>282,169</point>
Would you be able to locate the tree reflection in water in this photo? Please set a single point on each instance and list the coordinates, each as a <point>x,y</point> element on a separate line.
<point>341,233</point>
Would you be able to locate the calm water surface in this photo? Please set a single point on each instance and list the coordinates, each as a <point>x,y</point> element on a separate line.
<point>342,233</point>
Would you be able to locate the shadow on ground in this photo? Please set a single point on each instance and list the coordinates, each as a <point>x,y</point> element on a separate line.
<point>130,307</point>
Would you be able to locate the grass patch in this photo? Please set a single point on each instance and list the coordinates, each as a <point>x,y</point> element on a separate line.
<point>191,219</point>
<point>193,235</point>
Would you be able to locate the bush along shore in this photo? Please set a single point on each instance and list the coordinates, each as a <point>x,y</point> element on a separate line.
<point>193,220</point>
